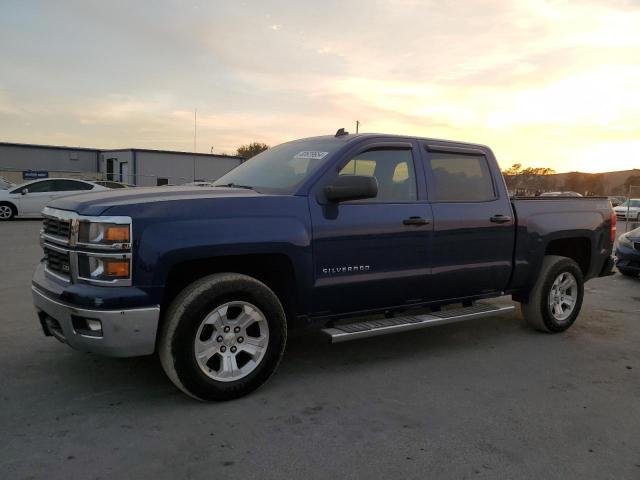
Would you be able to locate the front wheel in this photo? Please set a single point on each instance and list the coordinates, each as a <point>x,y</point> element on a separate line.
<point>223,336</point>
<point>556,298</point>
<point>7,211</point>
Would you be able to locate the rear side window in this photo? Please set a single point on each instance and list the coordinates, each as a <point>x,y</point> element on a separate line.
<point>461,178</point>
<point>70,185</point>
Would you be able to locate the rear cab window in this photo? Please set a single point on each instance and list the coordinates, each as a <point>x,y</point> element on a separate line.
<point>460,177</point>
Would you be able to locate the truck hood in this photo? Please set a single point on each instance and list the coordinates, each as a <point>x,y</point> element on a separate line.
<point>97,203</point>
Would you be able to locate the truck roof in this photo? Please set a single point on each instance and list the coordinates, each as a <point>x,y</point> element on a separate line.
<point>349,137</point>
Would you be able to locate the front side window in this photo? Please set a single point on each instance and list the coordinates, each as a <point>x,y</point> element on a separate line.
<point>392,168</point>
<point>36,187</point>
<point>460,178</point>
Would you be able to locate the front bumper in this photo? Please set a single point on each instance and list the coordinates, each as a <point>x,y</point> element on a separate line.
<point>122,333</point>
<point>628,258</point>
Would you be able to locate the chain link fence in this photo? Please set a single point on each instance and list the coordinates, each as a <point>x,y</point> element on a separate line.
<point>632,219</point>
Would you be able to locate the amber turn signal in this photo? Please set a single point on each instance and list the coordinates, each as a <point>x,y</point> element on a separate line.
<point>119,269</point>
<point>117,234</point>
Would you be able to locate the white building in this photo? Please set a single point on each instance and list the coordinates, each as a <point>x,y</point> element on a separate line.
<point>20,162</point>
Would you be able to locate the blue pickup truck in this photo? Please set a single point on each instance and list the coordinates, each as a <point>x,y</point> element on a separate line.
<point>359,235</point>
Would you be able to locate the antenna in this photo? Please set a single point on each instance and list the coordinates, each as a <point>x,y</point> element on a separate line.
<point>357,125</point>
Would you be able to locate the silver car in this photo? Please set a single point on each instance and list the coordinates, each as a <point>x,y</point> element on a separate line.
<point>629,210</point>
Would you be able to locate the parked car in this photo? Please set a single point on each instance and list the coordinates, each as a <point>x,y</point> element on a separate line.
<point>407,232</point>
<point>5,184</point>
<point>28,199</point>
<point>628,253</point>
<point>560,194</point>
<point>110,184</point>
<point>617,200</point>
<point>629,210</point>
<point>199,184</point>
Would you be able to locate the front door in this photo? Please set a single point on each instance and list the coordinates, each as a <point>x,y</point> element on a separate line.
<point>35,197</point>
<point>474,229</point>
<point>374,253</point>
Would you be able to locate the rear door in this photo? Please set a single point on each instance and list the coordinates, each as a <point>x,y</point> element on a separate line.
<point>473,222</point>
<point>373,253</point>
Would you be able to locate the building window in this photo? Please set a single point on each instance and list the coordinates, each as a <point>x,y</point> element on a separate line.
<point>110,164</point>
<point>162,181</point>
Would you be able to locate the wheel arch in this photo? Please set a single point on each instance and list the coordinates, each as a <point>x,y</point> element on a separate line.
<point>12,205</point>
<point>576,248</point>
<point>275,270</point>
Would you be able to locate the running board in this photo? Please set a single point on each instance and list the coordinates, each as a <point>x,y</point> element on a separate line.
<point>384,326</point>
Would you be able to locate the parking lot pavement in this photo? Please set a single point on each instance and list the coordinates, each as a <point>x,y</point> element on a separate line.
<point>482,399</point>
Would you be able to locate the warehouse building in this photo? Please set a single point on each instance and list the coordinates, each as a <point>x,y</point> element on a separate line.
<point>142,167</point>
<point>160,167</point>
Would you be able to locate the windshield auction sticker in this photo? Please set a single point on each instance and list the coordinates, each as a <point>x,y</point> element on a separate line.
<point>311,154</point>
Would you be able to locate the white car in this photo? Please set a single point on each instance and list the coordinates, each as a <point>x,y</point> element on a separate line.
<point>28,199</point>
<point>631,208</point>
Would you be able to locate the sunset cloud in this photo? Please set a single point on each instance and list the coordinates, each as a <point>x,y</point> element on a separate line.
<point>545,83</point>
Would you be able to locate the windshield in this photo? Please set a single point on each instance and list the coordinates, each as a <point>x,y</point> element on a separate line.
<point>283,168</point>
<point>630,203</point>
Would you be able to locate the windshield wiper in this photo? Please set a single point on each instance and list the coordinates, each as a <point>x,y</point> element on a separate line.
<point>235,185</point>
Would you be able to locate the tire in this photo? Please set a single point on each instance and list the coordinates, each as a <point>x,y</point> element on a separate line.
<point>7,211</point>
<point>544,309</point>
<point>208,305</point>
<point>628,273</point>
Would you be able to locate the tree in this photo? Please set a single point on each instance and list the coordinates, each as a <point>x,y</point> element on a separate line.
<point>251,149</point>
<point>528,180</point>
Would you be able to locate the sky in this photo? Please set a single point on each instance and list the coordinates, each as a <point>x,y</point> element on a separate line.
<point>543,83</point>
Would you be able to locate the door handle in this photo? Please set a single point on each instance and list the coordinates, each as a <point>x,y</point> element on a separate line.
<point>415,221</point>
<point>500,219</point>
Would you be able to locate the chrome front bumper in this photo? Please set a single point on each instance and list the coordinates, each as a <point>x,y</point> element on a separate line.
<point>123,333</point>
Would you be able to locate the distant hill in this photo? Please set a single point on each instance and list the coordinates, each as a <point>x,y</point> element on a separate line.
<point>609,183</point>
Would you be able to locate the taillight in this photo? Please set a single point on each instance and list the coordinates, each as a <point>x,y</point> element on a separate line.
<point>614,221</point>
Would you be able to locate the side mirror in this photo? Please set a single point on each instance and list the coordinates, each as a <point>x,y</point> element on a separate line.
<point>351,187</point>
<point>24,191</point>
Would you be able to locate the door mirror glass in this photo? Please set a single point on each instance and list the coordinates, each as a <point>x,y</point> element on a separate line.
<point>351,187</point>
<point>24,191</point>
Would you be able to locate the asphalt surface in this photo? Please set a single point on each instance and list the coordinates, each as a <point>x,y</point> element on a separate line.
<point>482,399</point>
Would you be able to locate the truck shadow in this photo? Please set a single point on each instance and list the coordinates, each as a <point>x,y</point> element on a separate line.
<point>308,353</point>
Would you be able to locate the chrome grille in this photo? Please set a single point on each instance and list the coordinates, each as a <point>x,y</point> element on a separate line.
<point>56,226</point>
<point>63,252</point>
<point>58,262</point>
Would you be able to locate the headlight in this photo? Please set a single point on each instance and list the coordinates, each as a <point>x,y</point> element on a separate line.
<point>104,269</point>
<point>108,234</point>
<point>624,240</point>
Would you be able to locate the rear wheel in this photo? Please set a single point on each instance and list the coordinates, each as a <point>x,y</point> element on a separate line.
<point>7,211</point>
<point>628,273</point>
<point>555,300</point>
<point>223,337</point>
